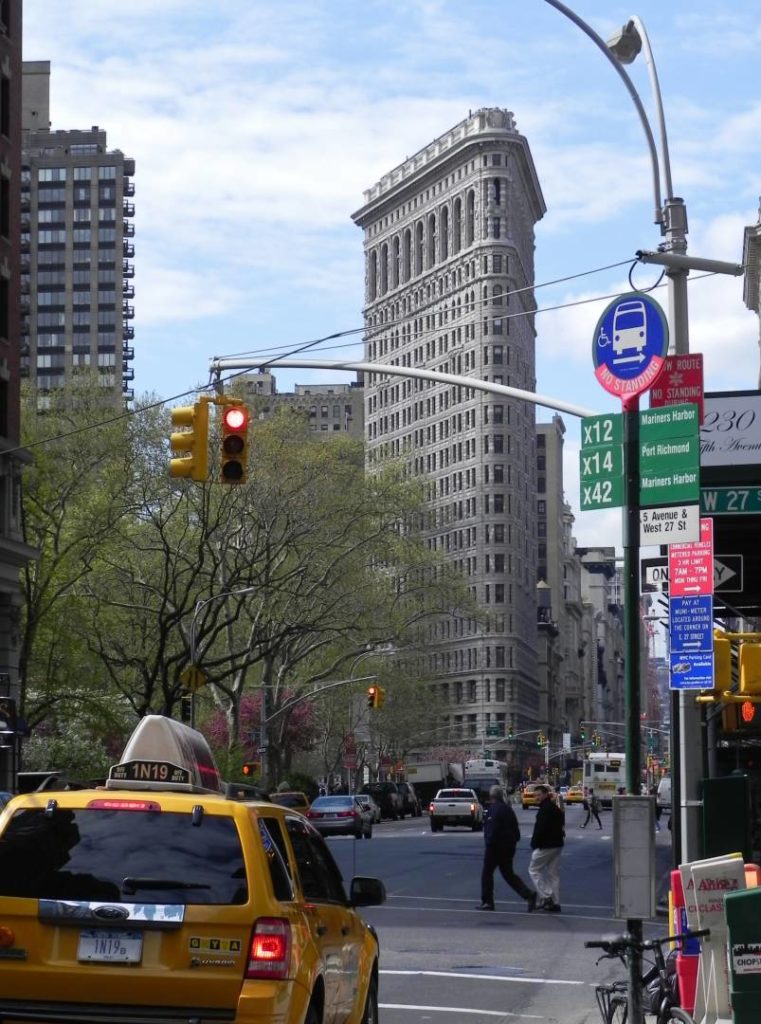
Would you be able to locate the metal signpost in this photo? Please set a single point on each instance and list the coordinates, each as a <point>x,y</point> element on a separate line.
<point>628,351</point>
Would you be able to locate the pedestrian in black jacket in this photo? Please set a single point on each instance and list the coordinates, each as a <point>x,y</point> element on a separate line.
<point>547,845</point>
<point>501,835</point>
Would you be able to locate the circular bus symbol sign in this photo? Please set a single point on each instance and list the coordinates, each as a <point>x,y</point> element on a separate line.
<point>630,344</point>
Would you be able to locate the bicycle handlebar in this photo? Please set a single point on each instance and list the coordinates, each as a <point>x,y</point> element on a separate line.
<point>616,945</point>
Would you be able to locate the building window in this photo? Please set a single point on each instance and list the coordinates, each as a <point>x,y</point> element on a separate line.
<point>5,105</point>
<point>83,174</point>
<point>5,194</point>
<point>106,173</point>
<point>52,174</point>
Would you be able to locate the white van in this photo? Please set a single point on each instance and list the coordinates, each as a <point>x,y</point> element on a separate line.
<point>663,795</point>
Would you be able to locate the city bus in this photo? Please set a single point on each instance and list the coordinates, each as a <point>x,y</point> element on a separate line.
<point>606,775</point>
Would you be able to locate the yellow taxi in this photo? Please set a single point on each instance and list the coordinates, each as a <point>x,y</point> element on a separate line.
<point>169,895</point>
<point>294,799</point>
<point>530,795</point>
<point>575,795</point>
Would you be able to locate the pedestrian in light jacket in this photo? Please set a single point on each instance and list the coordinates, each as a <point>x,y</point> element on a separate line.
<point>547,845</point>
<point>501,835</point>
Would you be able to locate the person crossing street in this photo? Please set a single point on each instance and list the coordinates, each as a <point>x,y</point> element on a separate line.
<point>501,836</point>
<point>547,845</point>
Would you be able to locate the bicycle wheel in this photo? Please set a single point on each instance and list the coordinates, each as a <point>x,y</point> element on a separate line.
<point>612,1003</point>
<point>618,1011</point>
<point>676,1015</point>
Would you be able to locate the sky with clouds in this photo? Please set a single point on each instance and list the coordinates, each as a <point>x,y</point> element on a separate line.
<point>257,124</point>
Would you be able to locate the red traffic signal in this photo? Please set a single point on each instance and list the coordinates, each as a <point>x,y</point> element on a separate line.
<point>234,454</point>
<point>251,768</point>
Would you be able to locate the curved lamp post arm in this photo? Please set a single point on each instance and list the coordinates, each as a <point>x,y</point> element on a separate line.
<point>656,90</point>
<point>602,45</point>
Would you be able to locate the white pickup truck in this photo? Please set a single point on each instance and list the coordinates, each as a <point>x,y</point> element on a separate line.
<point>458,807</point>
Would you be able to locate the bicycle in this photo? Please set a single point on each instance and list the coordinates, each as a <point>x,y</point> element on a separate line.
<point>659,996</point>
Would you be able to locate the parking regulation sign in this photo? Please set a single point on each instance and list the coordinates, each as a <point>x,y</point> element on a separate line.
<point>630,345</point>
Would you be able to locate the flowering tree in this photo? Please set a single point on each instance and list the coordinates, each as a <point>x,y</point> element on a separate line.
<point>299,732</point>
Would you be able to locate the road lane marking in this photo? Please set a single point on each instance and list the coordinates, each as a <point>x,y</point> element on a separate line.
<point>481,977</point>
<point>460,1010</point>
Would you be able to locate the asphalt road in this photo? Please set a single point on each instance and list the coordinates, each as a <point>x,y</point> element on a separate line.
<point>443,961</point>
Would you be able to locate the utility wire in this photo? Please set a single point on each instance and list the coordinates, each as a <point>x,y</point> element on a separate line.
<point>290,351</point>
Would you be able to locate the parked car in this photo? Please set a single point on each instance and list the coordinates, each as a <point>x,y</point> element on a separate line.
<point>387,797</point>
<point>365,798</point>
<point>410,800</point>
<point>341,816</point>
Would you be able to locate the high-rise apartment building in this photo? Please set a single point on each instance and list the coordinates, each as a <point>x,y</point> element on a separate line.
<point>449,257</point>
<point>77,249</point>
<point>14,553</point>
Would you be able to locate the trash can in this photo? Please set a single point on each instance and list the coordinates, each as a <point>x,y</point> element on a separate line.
<point>743,911</point>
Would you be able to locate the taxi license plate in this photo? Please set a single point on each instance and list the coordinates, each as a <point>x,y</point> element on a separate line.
<point>99,945</point>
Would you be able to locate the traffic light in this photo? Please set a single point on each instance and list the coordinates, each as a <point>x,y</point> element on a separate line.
<point>372,697</point>
<point>186,709</point>
<point>750,671</point>
<point>192,443</point>
<point>234,453</point>
<point>251,768</point>
<point>510,732</point>
<point>540,740</point>
<point>583,734</point>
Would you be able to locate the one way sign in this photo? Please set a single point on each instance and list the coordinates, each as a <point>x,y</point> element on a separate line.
<point>727,574</point>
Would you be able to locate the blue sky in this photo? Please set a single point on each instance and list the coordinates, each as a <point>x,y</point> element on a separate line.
<point>256,126</point>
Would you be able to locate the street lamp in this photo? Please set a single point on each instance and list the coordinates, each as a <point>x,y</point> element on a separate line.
<point>671,254</point>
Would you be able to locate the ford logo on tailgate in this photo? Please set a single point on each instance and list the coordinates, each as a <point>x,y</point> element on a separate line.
<point>110,913</point>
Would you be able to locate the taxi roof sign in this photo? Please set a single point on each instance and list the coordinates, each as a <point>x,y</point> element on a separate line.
<point>165,754</point>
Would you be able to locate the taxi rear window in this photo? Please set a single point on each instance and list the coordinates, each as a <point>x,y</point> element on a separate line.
<point>126,856</point>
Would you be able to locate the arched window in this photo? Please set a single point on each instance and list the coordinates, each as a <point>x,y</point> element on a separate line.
<point>457,226</point>
<point>372,276</point>
<point>407,255</point>
<point>444,233</point>
<point>498,191</point>
<point>395,261</point>
<point>384,269</point>
<point>470,218</point>
<point>419,247</point>
<point>431,254</point>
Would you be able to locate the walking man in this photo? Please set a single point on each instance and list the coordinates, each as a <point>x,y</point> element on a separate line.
<point>547,845</point>
<point>593,809</point>
<point>501,835</point>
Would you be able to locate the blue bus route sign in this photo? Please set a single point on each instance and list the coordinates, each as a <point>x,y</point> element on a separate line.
<point>630,344</point>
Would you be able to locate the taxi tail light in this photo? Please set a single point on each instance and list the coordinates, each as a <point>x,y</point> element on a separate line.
<point>270,952</point>
<point>7,937</point>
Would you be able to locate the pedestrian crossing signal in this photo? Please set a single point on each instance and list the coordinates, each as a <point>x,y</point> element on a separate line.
<point>251,768</point>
